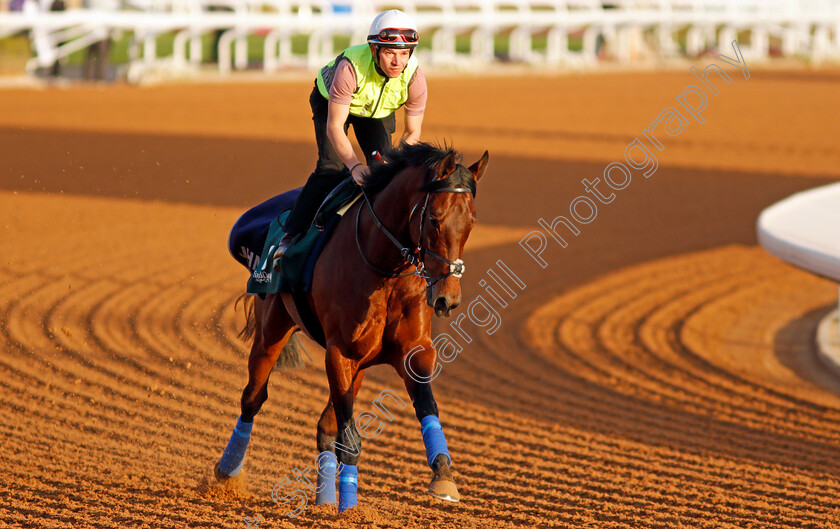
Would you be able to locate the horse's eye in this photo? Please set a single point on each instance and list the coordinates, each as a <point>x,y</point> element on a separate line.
<point>434,222</point>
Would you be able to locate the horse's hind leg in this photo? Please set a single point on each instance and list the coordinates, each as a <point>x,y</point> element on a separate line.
<point>273,327</point>
<point>328,468</point>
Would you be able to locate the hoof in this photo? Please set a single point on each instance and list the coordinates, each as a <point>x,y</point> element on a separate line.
<point>443,489</point>
<point>220,476</point>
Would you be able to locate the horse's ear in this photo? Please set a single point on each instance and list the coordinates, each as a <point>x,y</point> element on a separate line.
<point>477,169</point>
<point>446,166</point>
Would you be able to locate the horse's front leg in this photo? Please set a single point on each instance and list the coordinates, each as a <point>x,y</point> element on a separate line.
<point>416,370</point>
<point>326,440</point>
<point>342,373</point>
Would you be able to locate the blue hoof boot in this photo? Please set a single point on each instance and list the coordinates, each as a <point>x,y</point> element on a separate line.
<point>348,482</point>
<point>327,472</point>
<point>434,439</point>
<point>233,457</point>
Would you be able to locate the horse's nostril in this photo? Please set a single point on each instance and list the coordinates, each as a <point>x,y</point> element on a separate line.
<point>440,304</point>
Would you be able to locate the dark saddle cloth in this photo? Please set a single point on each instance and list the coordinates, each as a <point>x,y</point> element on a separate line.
<point>255,236</point>
<point>248,235</point>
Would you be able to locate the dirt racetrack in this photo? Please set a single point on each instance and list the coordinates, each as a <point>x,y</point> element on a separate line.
<point>659,372</point>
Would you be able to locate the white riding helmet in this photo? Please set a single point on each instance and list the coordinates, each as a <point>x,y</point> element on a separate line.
<point>393,29</point>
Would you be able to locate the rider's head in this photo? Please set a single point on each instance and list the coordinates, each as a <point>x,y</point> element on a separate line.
<point>392,38</point>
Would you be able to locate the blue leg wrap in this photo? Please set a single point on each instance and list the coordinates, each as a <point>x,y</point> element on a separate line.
<point>348,482</point>
<point>327,472</point>
<point>433,438</point>
<point>234,455</point>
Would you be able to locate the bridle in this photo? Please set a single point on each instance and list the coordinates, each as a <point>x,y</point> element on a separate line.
<point>415,256</point>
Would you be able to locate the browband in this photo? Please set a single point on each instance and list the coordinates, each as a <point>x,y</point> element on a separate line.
<point>457,182</point>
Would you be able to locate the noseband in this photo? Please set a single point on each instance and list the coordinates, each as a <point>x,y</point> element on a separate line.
<point>415,256</point>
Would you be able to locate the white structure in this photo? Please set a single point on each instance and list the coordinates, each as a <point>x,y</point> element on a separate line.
<point>804,230</point>
<point>631,28</point>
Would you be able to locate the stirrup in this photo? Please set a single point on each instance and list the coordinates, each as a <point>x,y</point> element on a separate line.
<point>282,247</point>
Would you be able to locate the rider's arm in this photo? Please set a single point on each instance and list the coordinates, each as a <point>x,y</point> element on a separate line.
<point>336,117</point>
<point>413,124</point>
<point>341,95</point>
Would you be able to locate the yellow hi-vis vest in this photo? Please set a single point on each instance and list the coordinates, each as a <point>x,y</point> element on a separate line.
<point>376,96</point>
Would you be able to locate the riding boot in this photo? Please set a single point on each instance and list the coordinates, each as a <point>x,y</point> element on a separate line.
<point>317,187</point>
<point>282,246</point>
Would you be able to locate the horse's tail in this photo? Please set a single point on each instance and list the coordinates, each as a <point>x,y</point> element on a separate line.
<point>247,332</point>
<point>292,355</point>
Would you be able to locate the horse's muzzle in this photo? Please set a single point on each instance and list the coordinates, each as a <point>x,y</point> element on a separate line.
<point>443,307</point>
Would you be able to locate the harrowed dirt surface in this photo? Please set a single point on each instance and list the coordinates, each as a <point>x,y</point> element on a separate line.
<point>657,372</point>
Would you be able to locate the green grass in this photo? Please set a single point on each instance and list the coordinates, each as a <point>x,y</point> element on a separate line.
<point>14,52</point>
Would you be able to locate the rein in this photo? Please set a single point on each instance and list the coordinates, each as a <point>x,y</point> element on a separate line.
<point>414,257</point>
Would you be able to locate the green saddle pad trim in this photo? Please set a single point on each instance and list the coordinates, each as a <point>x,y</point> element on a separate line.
<point>265,279</point>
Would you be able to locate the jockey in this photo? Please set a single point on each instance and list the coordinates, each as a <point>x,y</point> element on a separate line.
<point>362,87</point>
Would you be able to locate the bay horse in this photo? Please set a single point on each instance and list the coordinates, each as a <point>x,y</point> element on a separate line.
<point>392,262</point>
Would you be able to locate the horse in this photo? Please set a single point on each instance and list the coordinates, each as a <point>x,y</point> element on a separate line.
<point>374,297</point>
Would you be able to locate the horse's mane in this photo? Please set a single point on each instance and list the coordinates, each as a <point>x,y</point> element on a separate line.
<point>405,156</point>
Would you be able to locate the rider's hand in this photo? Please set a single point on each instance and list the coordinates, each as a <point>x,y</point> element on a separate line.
<point>360,173</point>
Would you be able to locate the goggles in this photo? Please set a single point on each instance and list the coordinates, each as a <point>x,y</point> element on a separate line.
<point>392,35</point>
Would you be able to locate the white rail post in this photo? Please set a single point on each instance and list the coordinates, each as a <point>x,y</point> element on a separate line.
<point>557,45</point>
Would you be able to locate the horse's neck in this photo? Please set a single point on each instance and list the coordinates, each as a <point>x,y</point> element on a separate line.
<point>393,207</point>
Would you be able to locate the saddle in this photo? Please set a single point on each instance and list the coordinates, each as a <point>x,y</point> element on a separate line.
<point>255,236</point>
